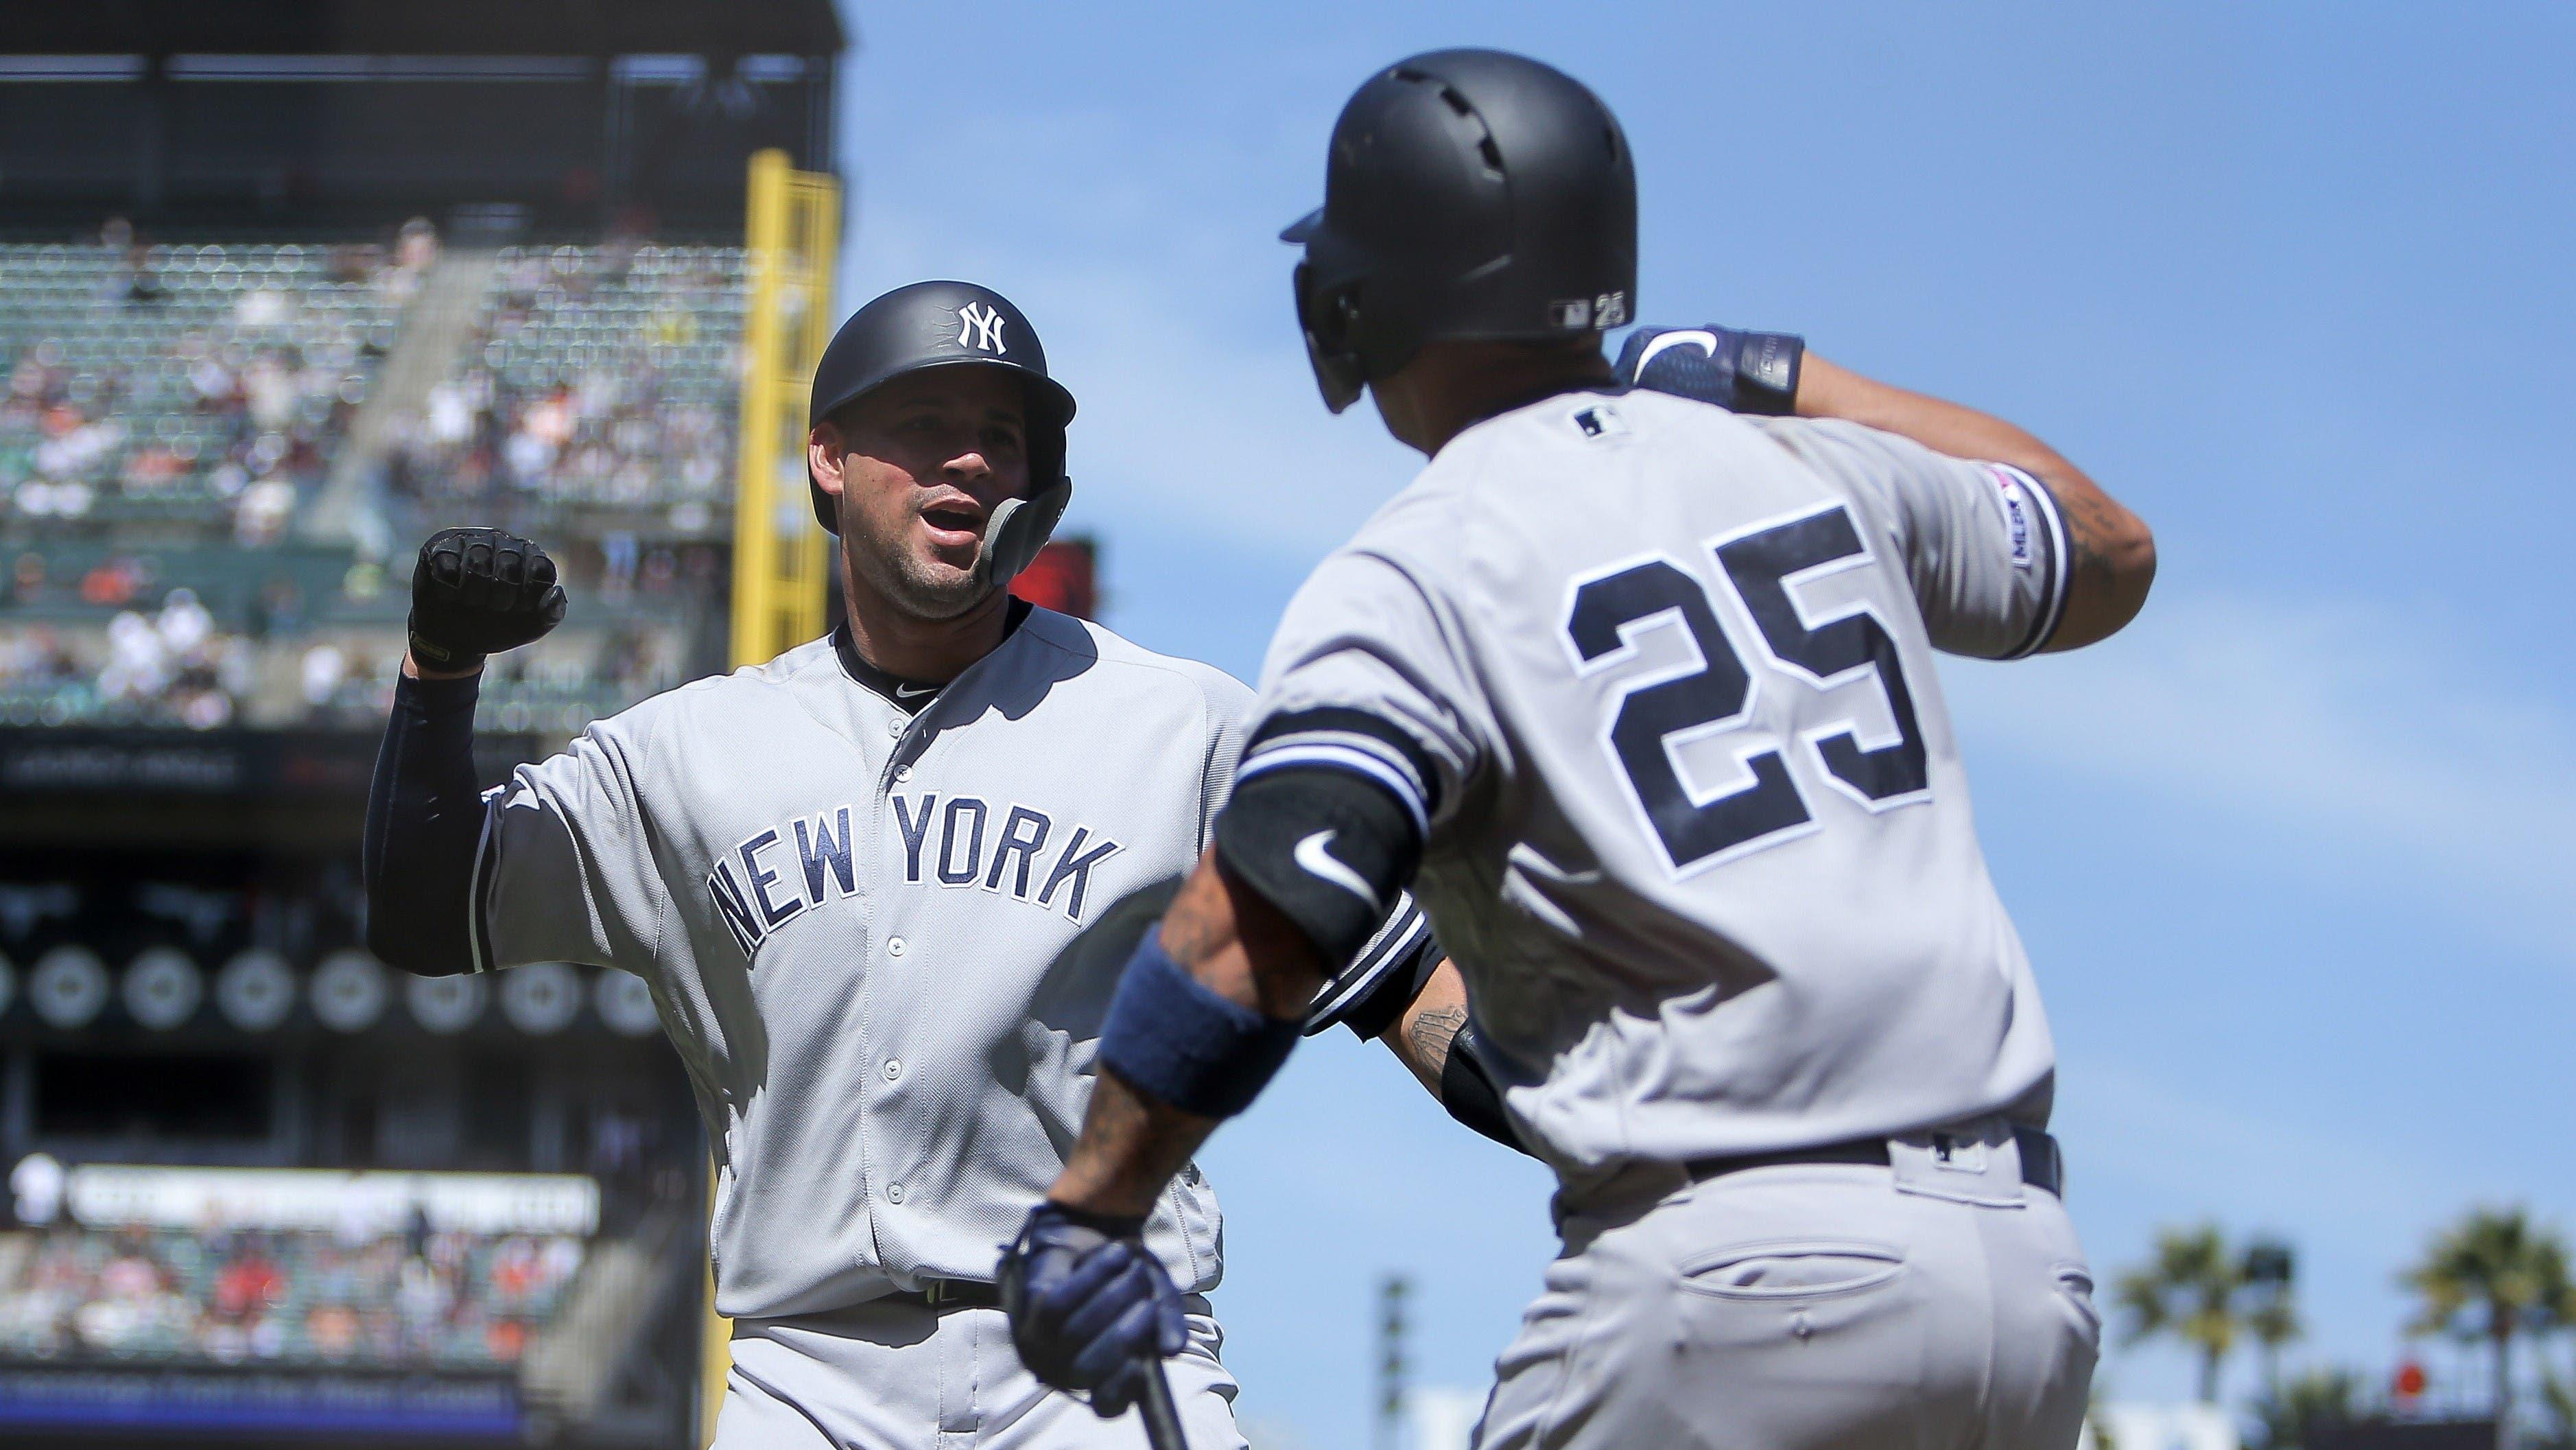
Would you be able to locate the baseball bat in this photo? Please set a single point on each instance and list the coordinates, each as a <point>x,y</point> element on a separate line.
<point>1162,1422</point>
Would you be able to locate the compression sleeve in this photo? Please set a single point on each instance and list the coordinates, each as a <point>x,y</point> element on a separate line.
<point>424,819</point>
<point>1468,1091</point>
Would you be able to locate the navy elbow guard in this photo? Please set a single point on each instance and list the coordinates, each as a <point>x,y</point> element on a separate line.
<point>1330,848</point>
<point>1172,1039</point>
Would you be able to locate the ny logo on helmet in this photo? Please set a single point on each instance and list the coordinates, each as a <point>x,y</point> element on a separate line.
<point>980,326</point>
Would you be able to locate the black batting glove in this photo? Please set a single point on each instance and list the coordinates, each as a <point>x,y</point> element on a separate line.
<point>477,591</point>
<point>1090,1309</point>
<point>1742,372</point>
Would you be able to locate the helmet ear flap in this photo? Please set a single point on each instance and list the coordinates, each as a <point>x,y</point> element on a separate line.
<point>1019,528</point>
<point>1329,323</point>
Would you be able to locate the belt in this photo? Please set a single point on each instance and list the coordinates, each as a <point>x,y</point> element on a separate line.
<point>2043,1165</point>
<point>941,1295</point>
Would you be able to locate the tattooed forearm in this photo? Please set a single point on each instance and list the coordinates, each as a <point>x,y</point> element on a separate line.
<point>2111,561</point>
<point>1430,1033</point>
<point>1421,1036</point>
<point>1130,1147</point>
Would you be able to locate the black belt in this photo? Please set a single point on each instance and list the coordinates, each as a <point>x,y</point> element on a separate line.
<point>2043,1166</point>
<point>941,1295</point>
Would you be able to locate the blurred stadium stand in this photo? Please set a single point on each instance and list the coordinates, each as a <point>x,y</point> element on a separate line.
<point>284,286</point>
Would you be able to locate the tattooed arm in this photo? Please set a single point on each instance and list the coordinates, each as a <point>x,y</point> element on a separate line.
<point>1422,1033</point>
<point>2112,553</point>
<point>1239,947</point>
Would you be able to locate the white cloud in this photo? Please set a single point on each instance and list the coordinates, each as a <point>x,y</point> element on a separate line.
<point>2359,741</point>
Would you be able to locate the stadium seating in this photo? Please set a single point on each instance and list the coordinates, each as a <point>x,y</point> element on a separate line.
<point>168,413</point>
<point>200,386</point>
<point>446,1300</point>
<point>599,377</point>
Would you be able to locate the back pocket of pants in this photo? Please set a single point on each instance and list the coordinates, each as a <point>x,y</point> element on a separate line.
<point>1792,1269</point>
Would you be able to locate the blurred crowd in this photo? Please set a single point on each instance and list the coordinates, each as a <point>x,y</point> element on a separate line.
<point>603,375</point>
<point>168,667</point>
<point>169,412</point>
<point>206,383</point>
<point>421,1299</point>
<point>174,667</point>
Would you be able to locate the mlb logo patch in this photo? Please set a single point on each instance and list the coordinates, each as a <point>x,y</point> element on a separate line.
<point>2016,514</point>
<point>1599,420</point>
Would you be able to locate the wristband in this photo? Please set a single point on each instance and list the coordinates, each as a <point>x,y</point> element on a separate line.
<point>440,657</point>
<point>1766,372</point>
<point>1172,1039</point>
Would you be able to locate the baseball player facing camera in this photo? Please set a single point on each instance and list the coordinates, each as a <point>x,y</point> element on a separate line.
<point>849,875</point>
<point>1634,684</point>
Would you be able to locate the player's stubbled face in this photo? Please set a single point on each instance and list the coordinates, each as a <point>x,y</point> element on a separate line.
<point>929,456</point>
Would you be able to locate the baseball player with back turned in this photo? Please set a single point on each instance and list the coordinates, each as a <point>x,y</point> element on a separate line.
<point>1639,694</point>
<point>848,875</point>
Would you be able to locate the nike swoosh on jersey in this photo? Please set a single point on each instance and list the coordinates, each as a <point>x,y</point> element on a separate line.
<point>902,692</point>
<point>1323,866</point>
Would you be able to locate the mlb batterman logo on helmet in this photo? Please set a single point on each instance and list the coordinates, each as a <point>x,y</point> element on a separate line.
<point>953,324</point>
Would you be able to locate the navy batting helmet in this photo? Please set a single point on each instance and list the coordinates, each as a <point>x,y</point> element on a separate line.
<point>956,324</point>
<point>1471,195</point>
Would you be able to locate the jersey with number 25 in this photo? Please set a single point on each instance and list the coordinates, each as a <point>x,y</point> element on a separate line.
<point>1660,686</point>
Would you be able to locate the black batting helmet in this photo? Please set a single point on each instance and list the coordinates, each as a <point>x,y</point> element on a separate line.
<point>1470,195</point>
<point>956,324</point>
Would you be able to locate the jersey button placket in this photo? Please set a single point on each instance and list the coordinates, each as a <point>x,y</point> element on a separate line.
<point>895,946</point>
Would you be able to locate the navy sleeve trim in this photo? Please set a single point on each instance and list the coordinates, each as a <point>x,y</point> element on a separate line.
<point>1350,740</point>
<point>487,863</point>
<point>1375,988</point>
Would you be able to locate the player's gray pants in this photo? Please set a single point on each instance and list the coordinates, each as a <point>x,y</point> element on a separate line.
<point>890,1376</point>
<point>1809,1306</point>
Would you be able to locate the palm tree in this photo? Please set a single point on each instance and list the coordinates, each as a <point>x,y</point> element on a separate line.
<point>2188,1290</point>
<point>2296,1411</point>
<point>2270,1276</point>
<point>2494,1275</point>
<point>2558,1405</point>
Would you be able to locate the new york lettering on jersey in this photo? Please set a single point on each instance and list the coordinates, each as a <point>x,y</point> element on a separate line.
<point>811,870</point>
<point>1008,849</point>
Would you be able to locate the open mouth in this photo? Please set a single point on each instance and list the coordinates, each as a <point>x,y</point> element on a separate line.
<point>955,523</point>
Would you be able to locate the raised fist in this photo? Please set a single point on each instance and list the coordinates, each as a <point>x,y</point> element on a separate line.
<point>477,591</point>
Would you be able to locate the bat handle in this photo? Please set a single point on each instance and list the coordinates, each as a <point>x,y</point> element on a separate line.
<point>1162,1421</point>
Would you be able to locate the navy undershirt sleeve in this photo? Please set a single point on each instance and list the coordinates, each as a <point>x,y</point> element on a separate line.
<point>424,818</point>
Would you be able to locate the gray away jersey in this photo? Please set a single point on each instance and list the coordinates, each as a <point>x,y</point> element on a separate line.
<point>1697,832</point>
<point>849,914</point>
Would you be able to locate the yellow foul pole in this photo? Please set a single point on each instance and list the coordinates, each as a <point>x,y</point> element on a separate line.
<point>792,233</point>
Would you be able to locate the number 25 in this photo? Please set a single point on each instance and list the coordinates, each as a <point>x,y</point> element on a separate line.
<point>1669,708</point>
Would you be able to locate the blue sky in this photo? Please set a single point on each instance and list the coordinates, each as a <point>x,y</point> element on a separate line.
<point>2292,281</point>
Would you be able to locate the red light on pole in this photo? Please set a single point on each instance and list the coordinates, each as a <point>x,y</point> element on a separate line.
<point>2408,1384</point>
